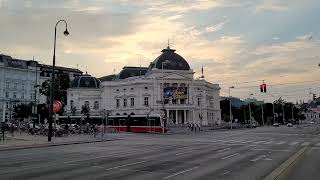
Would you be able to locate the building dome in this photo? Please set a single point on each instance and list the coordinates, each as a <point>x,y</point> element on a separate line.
<point>175,61</point>
<point>85,81</point>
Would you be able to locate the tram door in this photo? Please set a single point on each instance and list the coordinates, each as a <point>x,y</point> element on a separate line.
<point>152,125</point>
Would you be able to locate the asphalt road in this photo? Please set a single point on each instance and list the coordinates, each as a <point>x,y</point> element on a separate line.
<point>238,154</point>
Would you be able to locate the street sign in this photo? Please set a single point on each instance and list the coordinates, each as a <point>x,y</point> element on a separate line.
<point>57,105</point>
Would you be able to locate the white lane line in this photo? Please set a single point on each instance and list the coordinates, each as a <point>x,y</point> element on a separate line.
<point>232,155</point>
<point>305,143</point>
<point>281,142</point>
<point>268,142</point>
<point>226,149</point>
<point>259,142</point>
<point>125,165</point>
<point>227,172</point>
<point>258,158</point>
<point>180,172</point>
<point>284,150</point>
<point>293,143</point>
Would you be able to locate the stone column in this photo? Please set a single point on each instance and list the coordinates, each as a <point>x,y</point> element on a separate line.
<point>177,117</point>
<point>185,116</point>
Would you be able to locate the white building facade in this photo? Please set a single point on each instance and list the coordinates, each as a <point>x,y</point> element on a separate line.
<point>167,88</point>
<point>17,84</point>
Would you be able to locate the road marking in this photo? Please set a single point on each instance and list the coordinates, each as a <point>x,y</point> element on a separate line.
<point>284,150</point>
<point>293,143</point>
<point>227,172</point>
<point>258,158</point>
<point>70,162</point>
<point>318,144</point>
<point>180,172</point>
<point>226,149</point>
<point>232,155</point>
<point>125,165</point>
<point>275,174</point>
<point>268,142</point>
<point>305,144</point>
<point>259,142</point>
<point>282,142</point>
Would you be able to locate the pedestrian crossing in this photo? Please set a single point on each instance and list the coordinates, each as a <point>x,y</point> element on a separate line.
<point>269,142</point>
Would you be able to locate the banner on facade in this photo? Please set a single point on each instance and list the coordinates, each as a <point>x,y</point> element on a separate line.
<point>175,92</point>
<point>180,93</point>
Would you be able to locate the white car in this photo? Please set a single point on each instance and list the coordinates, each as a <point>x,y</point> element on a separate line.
<point>289,125</point>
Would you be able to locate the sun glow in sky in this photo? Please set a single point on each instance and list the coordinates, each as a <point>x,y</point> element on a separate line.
<point>236,41</point>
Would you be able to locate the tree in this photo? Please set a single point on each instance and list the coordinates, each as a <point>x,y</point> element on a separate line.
<point>43,111</point>
<point>85,110</point>
<point>22,111</point>
<point>62,83</point>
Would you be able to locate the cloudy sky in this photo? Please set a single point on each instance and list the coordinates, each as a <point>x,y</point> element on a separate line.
<point>239,42</point>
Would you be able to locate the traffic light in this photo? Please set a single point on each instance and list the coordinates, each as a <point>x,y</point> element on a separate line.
<point>263,88</point>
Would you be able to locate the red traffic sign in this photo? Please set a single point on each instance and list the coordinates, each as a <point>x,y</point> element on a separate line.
<point>57,105</point>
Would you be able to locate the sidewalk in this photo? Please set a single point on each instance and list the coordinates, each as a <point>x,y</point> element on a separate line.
<point>26,141</point>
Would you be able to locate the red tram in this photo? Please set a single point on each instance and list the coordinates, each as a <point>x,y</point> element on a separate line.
<point>136,123</point>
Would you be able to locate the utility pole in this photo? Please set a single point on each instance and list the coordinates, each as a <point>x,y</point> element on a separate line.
<point>292,114</point>
<point>282,114</point>
<point>262,118</point>
<point>250,108</point>
<point>274,115</point>
<point>230,107</point>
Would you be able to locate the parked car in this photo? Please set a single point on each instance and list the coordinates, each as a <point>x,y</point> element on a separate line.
<point>276,124</point>
<point>289,125</point>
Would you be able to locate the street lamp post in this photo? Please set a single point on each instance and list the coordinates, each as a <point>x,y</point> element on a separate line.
<point>274,115</point>
<point>162,98</point>
<point>283,114</point>
<point>230,110</point>
<point>66,33</point>
<point>250,108</point>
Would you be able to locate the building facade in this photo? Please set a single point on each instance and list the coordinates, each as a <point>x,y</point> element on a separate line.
<point>20,81</point>
<point>17,84</point>
<point>167,88</point>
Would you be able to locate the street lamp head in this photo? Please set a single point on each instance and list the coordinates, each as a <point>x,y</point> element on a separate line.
<point>66,32</point>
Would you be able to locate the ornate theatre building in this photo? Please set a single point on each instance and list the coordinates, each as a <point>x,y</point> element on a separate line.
<point>166,88</point>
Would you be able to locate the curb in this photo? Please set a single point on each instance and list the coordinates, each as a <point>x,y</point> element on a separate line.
<point>32,146</point>
<point>275,174</point>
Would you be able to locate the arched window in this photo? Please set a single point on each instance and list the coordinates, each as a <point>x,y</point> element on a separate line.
<point>124,113</point>
<point>96,105</point>
<point>86,104</point>
<point>132,113</point>
<point>118,114</point>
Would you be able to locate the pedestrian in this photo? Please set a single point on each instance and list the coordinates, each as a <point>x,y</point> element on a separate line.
<point>12,129</point>
<point>66,128</point>
<point>2,130</point>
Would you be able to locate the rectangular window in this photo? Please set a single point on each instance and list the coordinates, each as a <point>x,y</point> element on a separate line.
<point>22,95</point>
<point>14,95</point>
<point>7,85</point>
<point>7,94</point>
<point>182,101</point>
<point>131,102</point>
<point>7,105</point>
<point>14,104</point>
<point>118,102</point>
<point>199,101</point>
<point>32,96</point>
<point>22,86</point>
<point>146,101</point>
<point>124,102</point>
<point>15,85</point>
